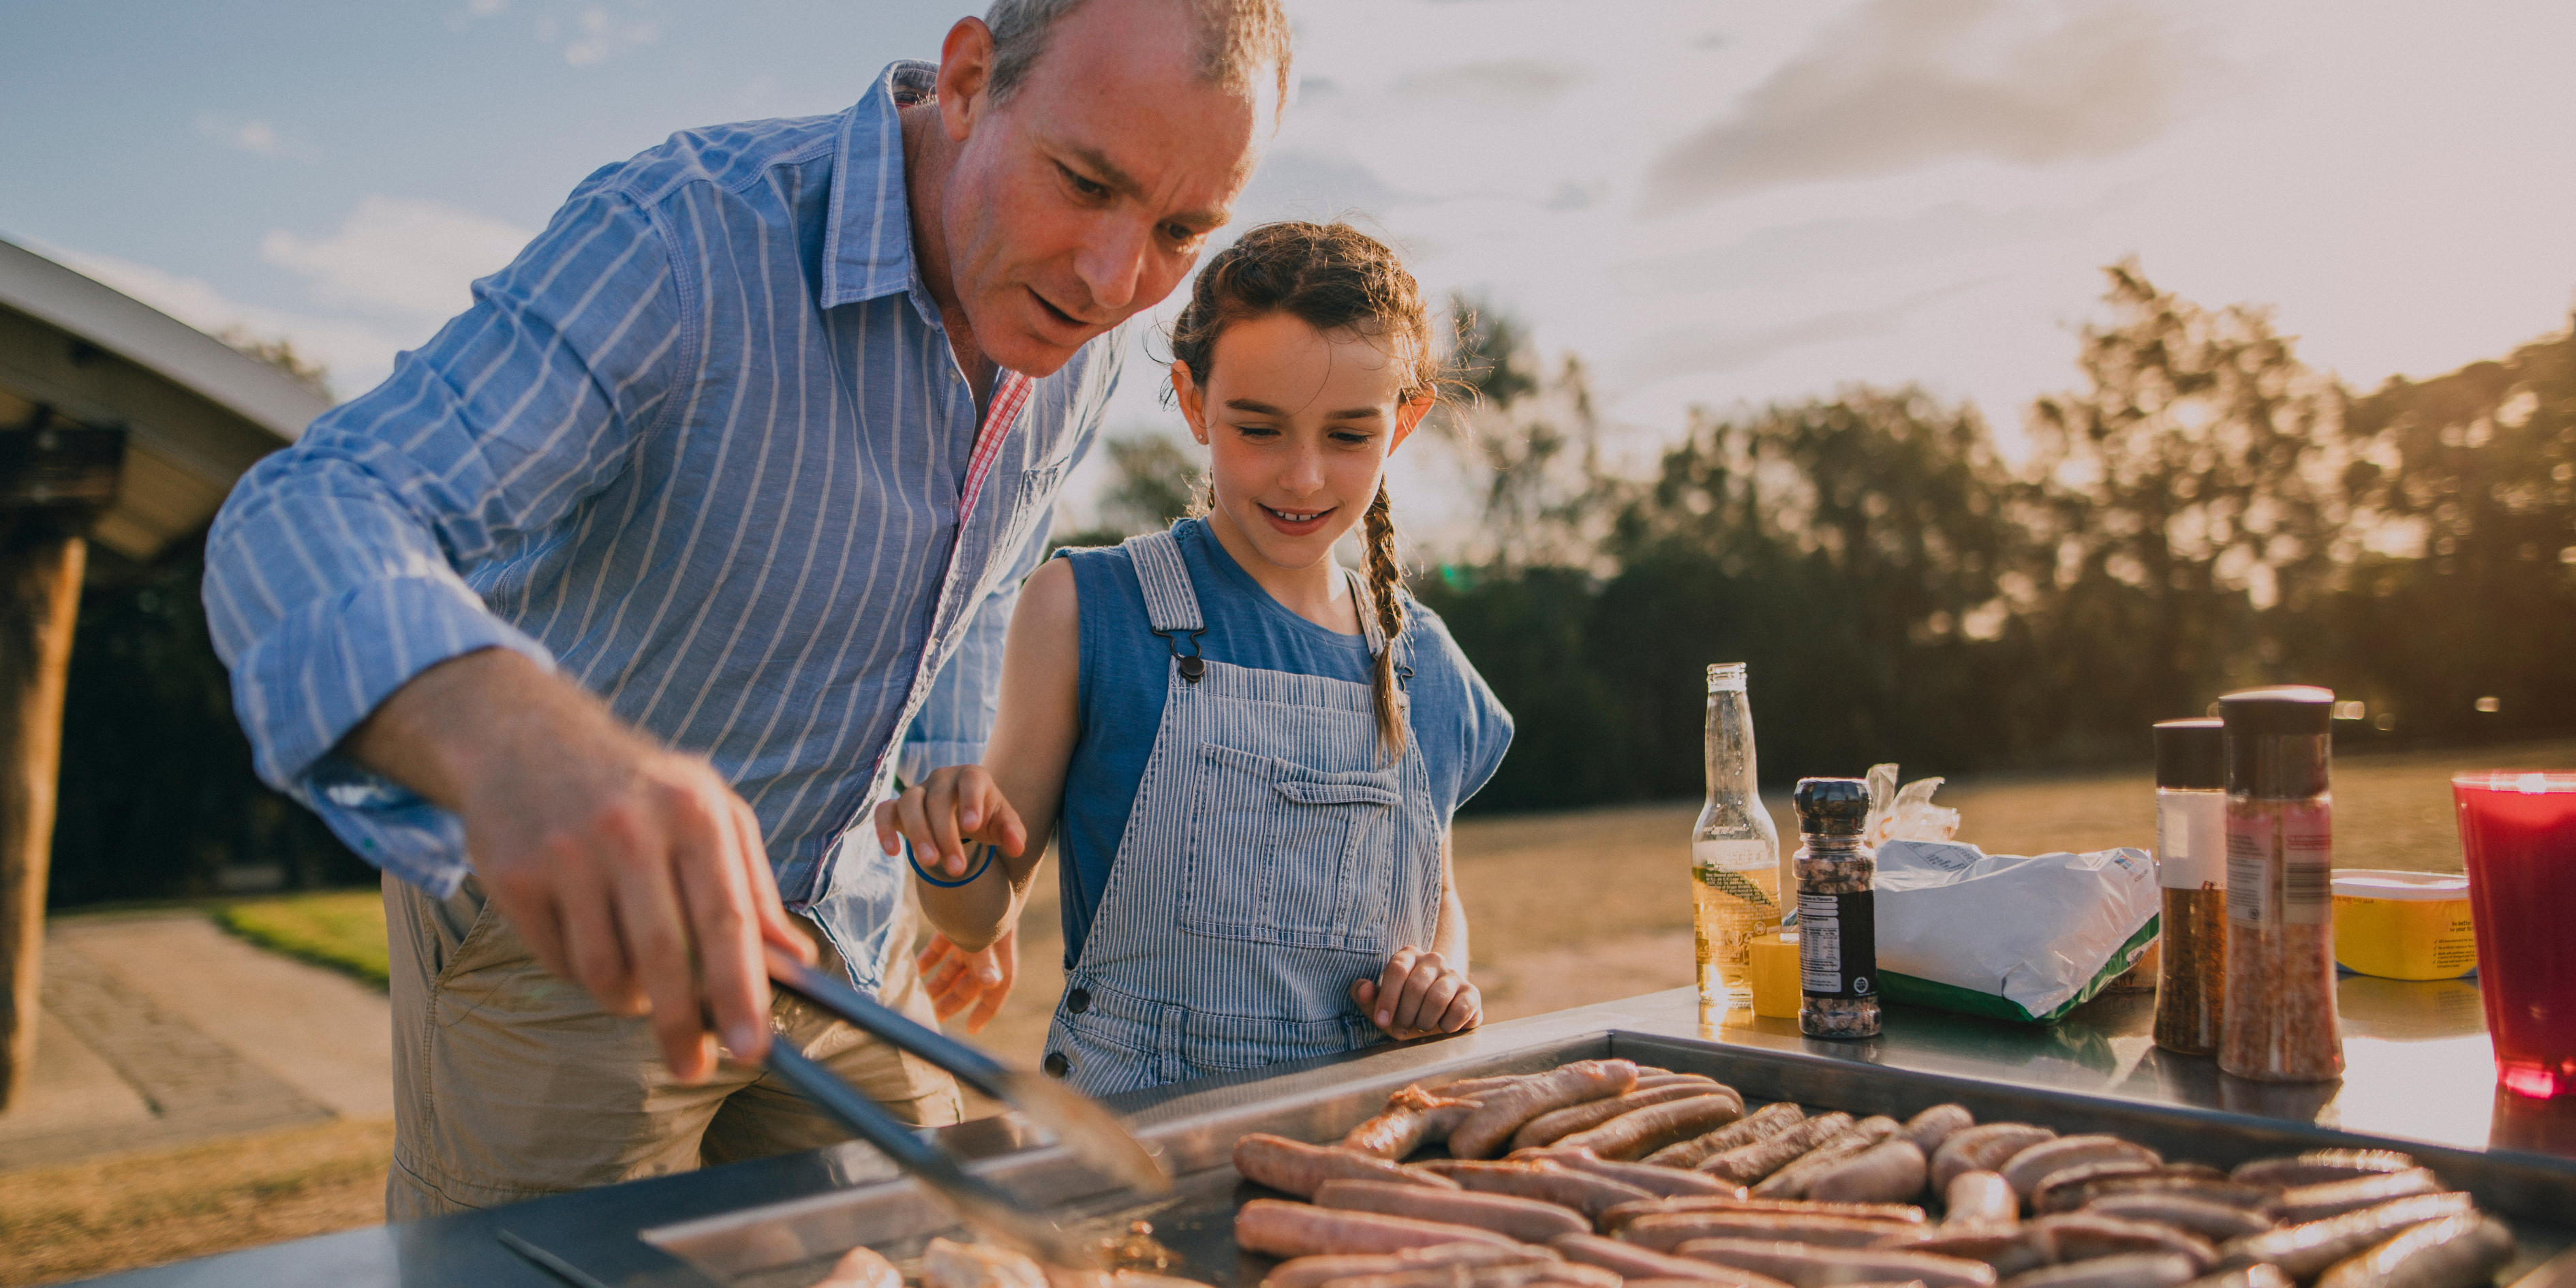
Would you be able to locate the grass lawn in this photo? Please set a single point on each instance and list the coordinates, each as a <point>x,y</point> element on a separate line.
<point>341,929</point>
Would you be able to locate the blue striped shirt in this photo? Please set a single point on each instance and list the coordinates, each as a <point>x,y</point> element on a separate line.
<point>703,448</point>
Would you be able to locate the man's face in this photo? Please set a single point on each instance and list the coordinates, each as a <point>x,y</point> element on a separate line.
<point>1086,197</point>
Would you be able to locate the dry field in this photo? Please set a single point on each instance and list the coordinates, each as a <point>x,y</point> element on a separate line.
<point>1566,909</point>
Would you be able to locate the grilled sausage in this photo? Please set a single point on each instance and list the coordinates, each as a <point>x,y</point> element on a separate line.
<point>1664,1233</point>
<point>1294,1167</point>
<point>1659,1182</point>
<point>1768,1121</point>
<point>1806,1266</point>
<point>1928,1129</point>
<point>1527,1220</point>
<point>1548,1128</point>
<point>1513,1276</point>
<point>1635,1263</point>
<point>1980,1198</point>
<point>1983,1147</point>
<point>2454,1252</point>
<point>2010,1249</point>
<point>2129,1270</point>
<point>2182,1212</point>
<point>2082,1236</point>
<point>2303,1251</point>
<point>2302,1203</point>
<point>1886,1172</point>
<point>1643,1131</point>
<point>2262,1274</point>
<point>2028,1167</point>
<point>2321,1166</point>
<point>862,1267</point>
<point>974,1265</point>
<point>2068,1190</point>
<point>1746,1164</point>
<point>1283,1229</point>
<point>1548,1183</point>
<point>1413,1118</point>
<point>1501,1112</point>
<point>1904,1215</point>
<point>1791,1182</point>
<point>1308,1272</point>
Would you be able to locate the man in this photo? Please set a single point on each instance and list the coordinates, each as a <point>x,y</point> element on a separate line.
<point>606,616</point>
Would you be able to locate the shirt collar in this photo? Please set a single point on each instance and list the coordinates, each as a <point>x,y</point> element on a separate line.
<point>871,219</point>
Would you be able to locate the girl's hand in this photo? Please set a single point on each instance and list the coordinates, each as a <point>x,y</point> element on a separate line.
<point>975,983</point>
<point>948,810</point>
<point>1419,994</point>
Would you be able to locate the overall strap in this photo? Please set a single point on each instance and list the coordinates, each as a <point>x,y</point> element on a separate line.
<point>1171,606</point>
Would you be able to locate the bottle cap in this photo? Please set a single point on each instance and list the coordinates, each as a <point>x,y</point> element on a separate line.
<point>2270,752</point>
<point>2191,754</point>
<point>2295,709</point>
<point>1726,677</point>
<point>1832,806</point>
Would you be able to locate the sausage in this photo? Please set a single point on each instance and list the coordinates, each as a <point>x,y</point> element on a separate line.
<point>2303,1251</point>
<point>2182,1212</point>
<point>1768,1121</point>
<point>1294,1167</point>
<point>975,1265</point>
<point>1980,1198</point>
<point>2334,1198</point>
<point>1413,1118</point>
<point>1664,1233</point>
<point>2320,1166</point>
<point>1501,1112</point>
<point>2129,1270</point>
<point>2454,1252</point>
<point>2069,1190</point>
<point>1308,1272</point>
<point>1513,1276</point>
<point>1283,1229</point>
<point>2081,1236</point>
<point>2010,1249</point>
<point>1748,1163</point>
<point>1548,1128</point>
<point>1928,1129</point>
<point>1659,1182</point>
<point>1791,1182</point>
<point>1634,1263</point>
<point>1643,1131</point>
<point>1903,1215</point>
<point>1806,1266</point>
<point>1059,1277</point>
<point>862,1267</point>
<point>1886,1172</point>
<point>1983,1148</point>
<point>1548,1183</point>
<point>2028,1167</point>
<point>2262,1274</point>
<point>1527,1220</point>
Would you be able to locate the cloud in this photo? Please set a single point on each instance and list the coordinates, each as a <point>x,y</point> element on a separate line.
<point>590,34</point>
<point>407,257</point>
<point>254,136</point>
<point>1523,81</point>
<point>357,354</point>
<point>1794,253</point>
<point>1906,82</point>
<point>1297,184</point>
<point>1699,350</point>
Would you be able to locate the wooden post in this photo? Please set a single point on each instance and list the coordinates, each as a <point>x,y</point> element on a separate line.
<point>53,480</point>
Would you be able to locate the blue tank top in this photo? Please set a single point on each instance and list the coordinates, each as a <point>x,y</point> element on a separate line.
<point>1462,729</point>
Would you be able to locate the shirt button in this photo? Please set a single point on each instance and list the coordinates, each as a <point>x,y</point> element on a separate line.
<point>1077,1001</point>
<point>1056,1065</point>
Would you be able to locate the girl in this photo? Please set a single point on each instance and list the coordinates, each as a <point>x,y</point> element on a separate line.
<point>1249,755</point>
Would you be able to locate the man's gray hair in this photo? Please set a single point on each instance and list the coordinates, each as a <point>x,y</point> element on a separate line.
<point>1235,37</point>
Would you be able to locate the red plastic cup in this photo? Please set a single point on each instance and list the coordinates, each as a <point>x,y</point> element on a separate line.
<point>2518,834</point>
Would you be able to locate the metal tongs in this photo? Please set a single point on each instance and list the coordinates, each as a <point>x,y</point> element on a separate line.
<point>1077,1121</point>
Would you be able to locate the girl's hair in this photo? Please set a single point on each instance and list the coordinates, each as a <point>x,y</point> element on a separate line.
<point>1340,281</point>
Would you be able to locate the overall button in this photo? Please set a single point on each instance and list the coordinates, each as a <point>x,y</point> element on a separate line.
<point>1056,1065</point>
<point>1077,1001</point>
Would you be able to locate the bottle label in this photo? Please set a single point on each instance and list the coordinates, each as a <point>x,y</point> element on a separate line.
<point>2191,840</point>
<point>2280,863</point>
<point>1838,944</point>
<point>2307,866</point>
<point>2249,868</point>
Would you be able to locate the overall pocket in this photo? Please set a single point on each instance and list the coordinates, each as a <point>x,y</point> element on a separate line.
<point>1284,854</point>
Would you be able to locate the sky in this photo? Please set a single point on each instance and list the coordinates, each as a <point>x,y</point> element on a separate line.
<point>1712,202</point>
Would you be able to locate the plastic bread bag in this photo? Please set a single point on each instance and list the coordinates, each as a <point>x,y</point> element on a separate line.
<point>1907,814</point>
<point>2007,936</point>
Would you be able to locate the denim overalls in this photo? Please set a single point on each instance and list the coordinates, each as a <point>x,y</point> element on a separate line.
<point>1272,858</point>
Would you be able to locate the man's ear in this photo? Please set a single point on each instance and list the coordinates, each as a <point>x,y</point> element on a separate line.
<point>1408,416</point>
<point>1192,400</point>
<point>965,72</point>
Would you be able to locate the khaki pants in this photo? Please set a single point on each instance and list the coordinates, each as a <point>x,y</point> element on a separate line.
<point>510,1084</point>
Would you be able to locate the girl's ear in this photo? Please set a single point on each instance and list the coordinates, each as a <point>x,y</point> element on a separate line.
<point>1408,416</point>
<point>1193,401</point>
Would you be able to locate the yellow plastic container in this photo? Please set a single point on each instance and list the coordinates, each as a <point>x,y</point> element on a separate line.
<point>1771,964</point>
<point>2403,925</point>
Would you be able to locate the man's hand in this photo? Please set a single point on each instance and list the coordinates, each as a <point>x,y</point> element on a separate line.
<point>630,869</point>
<point>1419,994</point>
<point>976,983</point>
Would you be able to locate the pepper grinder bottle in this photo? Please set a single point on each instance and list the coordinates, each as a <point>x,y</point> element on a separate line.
<point>2279,1023</point>
<point>2191,866</point>
<point>1735,849</point>
<point>1837,913</point>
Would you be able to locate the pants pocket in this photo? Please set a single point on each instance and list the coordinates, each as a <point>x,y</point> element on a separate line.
<point>1285,854</point>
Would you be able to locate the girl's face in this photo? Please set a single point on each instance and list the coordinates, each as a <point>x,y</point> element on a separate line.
<point>1298,425</point>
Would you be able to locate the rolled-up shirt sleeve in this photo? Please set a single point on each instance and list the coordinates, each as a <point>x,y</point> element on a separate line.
<point>340,567</point>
